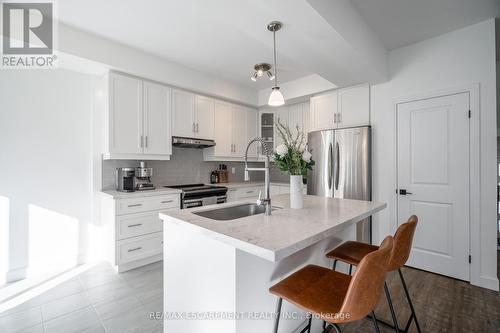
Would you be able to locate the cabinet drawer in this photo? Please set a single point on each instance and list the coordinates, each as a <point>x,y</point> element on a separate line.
<point>137,205</point>
<point>139,248</point>
<point>132,225</point>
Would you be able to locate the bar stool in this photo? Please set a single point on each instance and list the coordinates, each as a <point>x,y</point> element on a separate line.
<point>353,253</point>
<point>333,296</point>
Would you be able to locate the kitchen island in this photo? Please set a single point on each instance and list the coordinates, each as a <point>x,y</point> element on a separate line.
<point>217,272</point>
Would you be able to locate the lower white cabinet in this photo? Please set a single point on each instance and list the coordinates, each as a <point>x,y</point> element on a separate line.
<point>133,229</point>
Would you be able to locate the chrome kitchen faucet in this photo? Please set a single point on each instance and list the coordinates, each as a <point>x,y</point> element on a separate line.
<point>267,198</point>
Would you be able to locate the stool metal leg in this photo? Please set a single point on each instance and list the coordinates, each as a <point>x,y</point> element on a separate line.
<point>391,307</point>
<point>308,327</point>
<point>334,264</point>
<point>278,314</point>
<point>350,269</point>
<point>375,322</point>
<point>413,314</point>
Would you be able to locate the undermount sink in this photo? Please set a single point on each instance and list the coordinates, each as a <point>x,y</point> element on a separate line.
<point>233,212</point>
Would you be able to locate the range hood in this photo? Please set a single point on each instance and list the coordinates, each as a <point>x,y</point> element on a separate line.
<point>191,142</point>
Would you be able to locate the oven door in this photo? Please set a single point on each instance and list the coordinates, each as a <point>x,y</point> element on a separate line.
<point>204,201</point>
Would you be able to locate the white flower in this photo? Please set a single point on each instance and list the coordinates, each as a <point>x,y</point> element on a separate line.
<point>281,150</point>
<point>306,156</point>
<point>302,148</point>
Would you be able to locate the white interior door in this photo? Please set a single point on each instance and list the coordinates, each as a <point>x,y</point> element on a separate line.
<point>433,168</point>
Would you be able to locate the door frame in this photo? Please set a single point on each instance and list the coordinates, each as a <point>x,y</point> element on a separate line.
<point>474,169</point>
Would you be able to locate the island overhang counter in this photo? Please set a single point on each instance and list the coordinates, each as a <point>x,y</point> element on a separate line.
<point>217,273</point>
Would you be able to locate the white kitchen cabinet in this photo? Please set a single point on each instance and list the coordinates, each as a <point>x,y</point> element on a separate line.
<point>183,113</point>
<point>204,119</point>
<point>125,114</point>
<point>193,115</point>
<point>157,119</point>
<point>138,119</point>
<point>354,106</point>
<point>235,126</point>
<point>346,107</point>
<point>133,230</point>
<point>298,116</point>
<point>223,129</point>
<point>239,131</point>
<point>323,111</point>
<point>252,132</point>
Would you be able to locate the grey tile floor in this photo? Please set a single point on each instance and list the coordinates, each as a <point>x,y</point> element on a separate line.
<point>98,300</point>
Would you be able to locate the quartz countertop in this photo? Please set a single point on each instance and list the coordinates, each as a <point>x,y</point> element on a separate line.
<point>160,190</point>
<point>250,184</point>
<point>283,233</point>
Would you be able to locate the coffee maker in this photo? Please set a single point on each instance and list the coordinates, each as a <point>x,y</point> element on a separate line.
<point>124,178</point>
<point>143,178</point>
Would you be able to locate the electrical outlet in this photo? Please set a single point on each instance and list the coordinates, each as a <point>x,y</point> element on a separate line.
<point>233,170</point>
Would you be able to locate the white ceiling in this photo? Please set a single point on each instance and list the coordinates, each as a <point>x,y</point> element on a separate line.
<point>190,33</point>
<point>402,22</point>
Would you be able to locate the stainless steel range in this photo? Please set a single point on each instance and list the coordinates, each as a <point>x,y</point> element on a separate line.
<point>195,195</point>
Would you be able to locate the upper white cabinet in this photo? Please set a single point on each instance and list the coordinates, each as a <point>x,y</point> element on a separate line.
<point>323,111</point>
<point>193,115</point>
<point>183,113</point>
<point>354,106</point>
<point>235,126</point>
<point>125,115</point>
<point>157,119</point>
<point>346,107</point>
<point>204,117</point>
<point>138,119</point>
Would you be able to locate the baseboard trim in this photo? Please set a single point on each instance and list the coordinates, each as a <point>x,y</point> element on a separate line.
<point>487,282</point>
<point>138,263</point>
<point>17,274</point>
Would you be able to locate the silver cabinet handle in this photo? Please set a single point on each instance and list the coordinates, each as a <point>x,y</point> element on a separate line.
<point>142,141</point>
<point>135,249</point>
<point>134,225</point>
<point>167,201</point>
<point>197,128</point>
<point>146,141</point>
<point>194,128</point>
<point>339,117</point>
<point>135,205</point>
<point>248,192</point>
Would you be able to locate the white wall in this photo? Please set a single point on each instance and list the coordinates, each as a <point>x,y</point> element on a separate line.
<point>462,57</point>
<point>46,165</point>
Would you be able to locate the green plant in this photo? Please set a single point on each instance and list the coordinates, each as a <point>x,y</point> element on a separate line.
<point>292,156</point>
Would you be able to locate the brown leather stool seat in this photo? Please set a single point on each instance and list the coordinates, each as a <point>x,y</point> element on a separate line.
<point>314,289</point>
<point>353,253</point>
<point>333,296</point>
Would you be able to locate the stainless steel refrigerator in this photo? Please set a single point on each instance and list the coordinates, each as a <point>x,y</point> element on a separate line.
<point>343,168</point>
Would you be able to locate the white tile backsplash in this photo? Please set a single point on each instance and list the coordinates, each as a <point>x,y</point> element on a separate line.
<point>185,166</point>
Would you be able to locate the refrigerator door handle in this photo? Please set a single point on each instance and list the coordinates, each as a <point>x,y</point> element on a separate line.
<point>330,162</point>
<point>337,169</point>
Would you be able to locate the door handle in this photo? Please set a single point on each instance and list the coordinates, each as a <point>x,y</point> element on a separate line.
<point>330,162</point>
<point>337,173</point>
<point>403,191</point>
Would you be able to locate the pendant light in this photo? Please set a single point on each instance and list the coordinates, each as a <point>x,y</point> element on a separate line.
<point>276,98</point>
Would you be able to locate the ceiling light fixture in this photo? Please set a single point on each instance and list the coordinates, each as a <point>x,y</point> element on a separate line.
<point>276,97</point>
<point>260,69</point>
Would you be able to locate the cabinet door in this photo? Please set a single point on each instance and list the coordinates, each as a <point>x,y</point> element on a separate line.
<point>157,119</point>
<point>295,118</point>
<point>354,106</point>
<point>182,113</point>
<point>223,129</point>
<point>280,114</point>
<point>239,129</point>
<point>204,117</point>
<point>323,108</point>
<point>125,122</point>
<point>252,131</point>
<point>266,128</point>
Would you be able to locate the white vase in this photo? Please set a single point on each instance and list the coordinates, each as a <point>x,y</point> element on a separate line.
<point>296,192</point>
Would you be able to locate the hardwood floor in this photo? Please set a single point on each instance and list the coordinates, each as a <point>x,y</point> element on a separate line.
<point>442,305</point>
<point>100,300</point>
